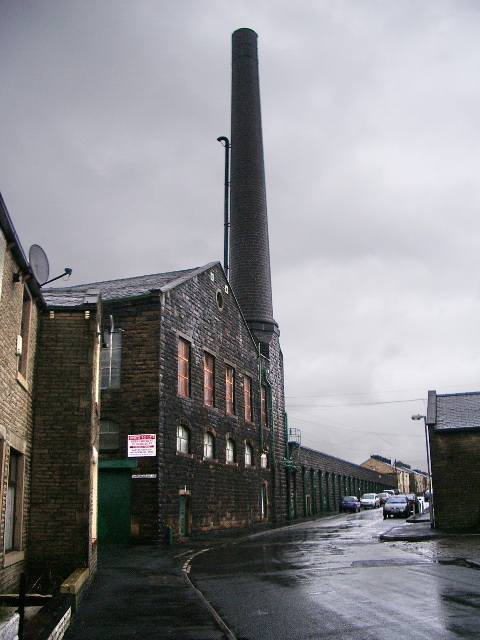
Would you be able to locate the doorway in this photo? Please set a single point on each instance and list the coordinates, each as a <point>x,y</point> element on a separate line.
<point>114,505</point>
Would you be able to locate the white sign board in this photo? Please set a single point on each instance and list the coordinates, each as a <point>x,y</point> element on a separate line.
<point>142,445</point>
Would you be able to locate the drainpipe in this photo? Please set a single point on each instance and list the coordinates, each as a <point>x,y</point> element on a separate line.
<point>260,389</point>
<point>288,471</point>
<point>269,402</point>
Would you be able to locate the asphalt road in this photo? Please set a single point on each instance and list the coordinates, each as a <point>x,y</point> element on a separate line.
<point>332,579</point>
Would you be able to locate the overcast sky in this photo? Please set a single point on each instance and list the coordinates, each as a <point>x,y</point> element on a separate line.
<point>110,112</point>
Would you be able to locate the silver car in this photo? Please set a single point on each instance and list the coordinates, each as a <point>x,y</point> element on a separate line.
<point>369,501</point>
<point>396,506</point>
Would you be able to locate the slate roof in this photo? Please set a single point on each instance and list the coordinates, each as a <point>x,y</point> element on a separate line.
<point>119,289</point>
<point>458,411</point>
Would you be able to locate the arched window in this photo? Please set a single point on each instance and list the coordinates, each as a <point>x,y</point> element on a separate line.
<point>109,436</point>
<point>208,445</point>
<point>230,450</point>
<point>183,439</point>
<point>264,460</point>
<point>248,455</point>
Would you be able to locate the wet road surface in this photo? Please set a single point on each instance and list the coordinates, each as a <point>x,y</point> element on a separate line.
<point>333,579</point>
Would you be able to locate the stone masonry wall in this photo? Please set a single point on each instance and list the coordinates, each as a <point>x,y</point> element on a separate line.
<point>15,413</point>
<point>219,494</point>
<point>455,466</point>
<point>65,439</point>
<point>321,480</point>
<point>135,404</point>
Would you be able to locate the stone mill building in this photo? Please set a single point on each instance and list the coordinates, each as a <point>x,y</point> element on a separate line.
<point>152,407</point>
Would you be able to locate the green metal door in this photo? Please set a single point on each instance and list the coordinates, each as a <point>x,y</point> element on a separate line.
<point>114,510</point>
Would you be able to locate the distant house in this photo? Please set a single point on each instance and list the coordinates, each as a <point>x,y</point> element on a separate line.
<point>453,422</point>
<point>408,480</point>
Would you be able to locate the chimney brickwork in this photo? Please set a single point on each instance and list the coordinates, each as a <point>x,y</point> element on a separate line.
<point>249,245</point>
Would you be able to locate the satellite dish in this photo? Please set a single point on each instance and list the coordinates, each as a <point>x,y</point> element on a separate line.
<point>39,263</point>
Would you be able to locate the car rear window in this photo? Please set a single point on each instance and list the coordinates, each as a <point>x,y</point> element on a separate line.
<point>397,499</point>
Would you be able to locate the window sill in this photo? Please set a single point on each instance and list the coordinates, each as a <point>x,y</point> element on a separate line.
<point>231,464</point>
<point>184,455</point>
<point>208,460</point>
<point>21,380</point>
<point>12,557</point>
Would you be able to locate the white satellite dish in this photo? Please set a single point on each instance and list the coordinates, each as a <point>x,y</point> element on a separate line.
<point>39,263</point>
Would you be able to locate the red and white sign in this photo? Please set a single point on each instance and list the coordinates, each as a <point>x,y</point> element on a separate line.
<point>142,445</point>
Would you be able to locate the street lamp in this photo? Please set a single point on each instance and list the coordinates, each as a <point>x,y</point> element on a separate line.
<point>419,417</point>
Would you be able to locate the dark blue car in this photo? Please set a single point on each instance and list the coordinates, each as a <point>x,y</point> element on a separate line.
<point>349,503</point>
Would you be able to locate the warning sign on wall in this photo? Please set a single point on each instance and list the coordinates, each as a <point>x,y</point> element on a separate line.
<point>142,445</point>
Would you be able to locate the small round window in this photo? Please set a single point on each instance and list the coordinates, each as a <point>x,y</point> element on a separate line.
<point>219,300</point>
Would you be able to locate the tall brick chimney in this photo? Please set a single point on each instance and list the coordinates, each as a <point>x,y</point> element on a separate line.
<point>249,248</point>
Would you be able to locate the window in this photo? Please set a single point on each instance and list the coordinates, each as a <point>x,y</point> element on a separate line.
<point>208,445</point>
<point>14,507</point>
<point>183,439</point>
<point>230,389</point>
<point>208,380</point>
<point>230,451</point>
<point>111,359</point>
<point>183,368</point>
<point>247,397</point>
<point>109,436</point>
<point>24,337</point>
<point>264,406</point>
<point>248,455</point>
<point>264,461</point>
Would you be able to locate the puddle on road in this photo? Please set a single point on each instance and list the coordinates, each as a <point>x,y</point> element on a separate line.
<point>471,600</point>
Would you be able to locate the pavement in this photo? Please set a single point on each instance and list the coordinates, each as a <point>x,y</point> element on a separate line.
<point>145,592</point>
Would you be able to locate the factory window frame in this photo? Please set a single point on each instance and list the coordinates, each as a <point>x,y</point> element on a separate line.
<point>247,397</point>
<point>248,455</point>
<point>109,436</point>
<point>184,359</point>
<point>264,404</point>
<point>23,345</point>
<point>111,359</point>
<point>208,445</point>
<point>230,453</point>
<point>230,390</point>
<point>14,502</point>
<point>208,379</point>
<point>183,439</point>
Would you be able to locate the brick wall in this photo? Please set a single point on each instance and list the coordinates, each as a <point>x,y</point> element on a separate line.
<point>65,439</point>
<point>456,478</point>
<point>221,495</point>
<point>15,411</point>
<point>135,404</point>
<point>321,480</point>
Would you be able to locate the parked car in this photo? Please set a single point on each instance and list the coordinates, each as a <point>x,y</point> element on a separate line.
<point>396,506</point>
<point>384,495</point>
<point>414,503</point>
<point>370,501</point>
<point>349,503</point>
<point>390,491</point>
